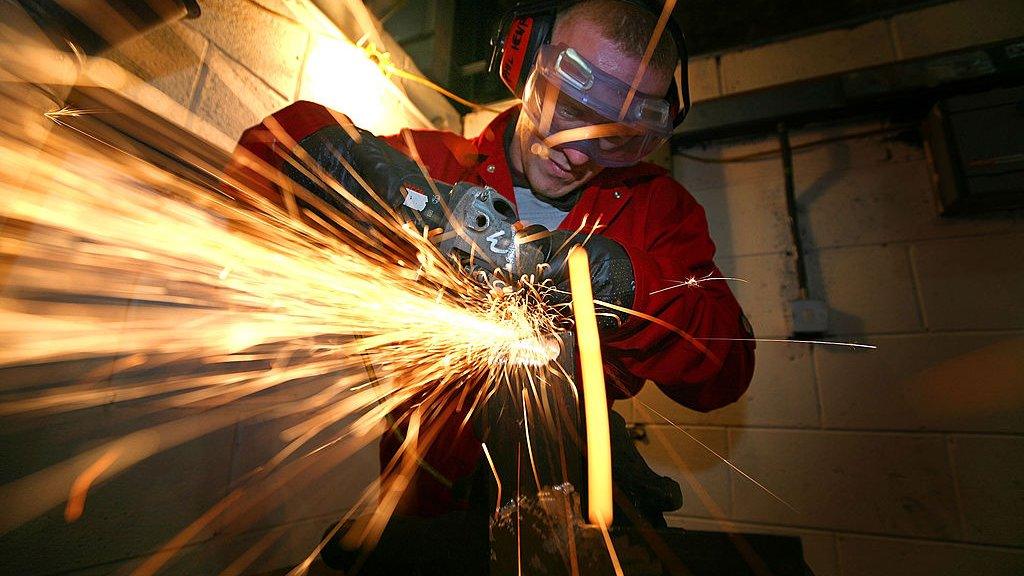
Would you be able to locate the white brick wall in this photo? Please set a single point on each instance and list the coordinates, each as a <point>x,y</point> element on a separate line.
<point>933,30</point>
<point>990,482</point>
<point>859,482</point>
<point>806,57</point>
<point>783,394</point>
<point>901,460</point>
<point>873,556</point>
<point>271,45</point>
<point>954,25</point>
<point>231,97</point>
<point>968,382</point>
<point>971,283</point>
<point>869,289</point>
<point>243,59</point>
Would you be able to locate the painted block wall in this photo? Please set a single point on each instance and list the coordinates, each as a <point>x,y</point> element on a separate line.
<point>904,460</point>
<point>243,59</point>
<point>901,460</point>
<point>942,27</point>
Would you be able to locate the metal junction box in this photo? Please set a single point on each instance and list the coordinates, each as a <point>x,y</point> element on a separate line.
<point>976,151</point>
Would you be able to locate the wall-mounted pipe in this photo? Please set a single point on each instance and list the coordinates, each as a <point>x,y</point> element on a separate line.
<point>809,317</point>
<point>791,209</point>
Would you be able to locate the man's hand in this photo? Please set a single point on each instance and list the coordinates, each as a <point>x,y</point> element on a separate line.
<point>611,274</point>
<point>386,171</point>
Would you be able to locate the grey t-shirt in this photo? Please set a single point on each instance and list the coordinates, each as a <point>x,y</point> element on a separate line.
<point>534,211</point>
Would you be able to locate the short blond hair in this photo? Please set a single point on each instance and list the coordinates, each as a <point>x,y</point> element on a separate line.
<point>628,25</point>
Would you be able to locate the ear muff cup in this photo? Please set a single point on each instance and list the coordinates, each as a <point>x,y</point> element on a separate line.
<point>521,33</point>
<point>529,25</point>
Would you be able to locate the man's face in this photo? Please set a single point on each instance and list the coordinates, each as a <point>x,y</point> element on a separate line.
<point>555,172</point>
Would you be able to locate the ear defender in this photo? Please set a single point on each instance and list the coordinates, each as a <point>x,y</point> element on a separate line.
<point>529,25</point>
<point>521,33</point>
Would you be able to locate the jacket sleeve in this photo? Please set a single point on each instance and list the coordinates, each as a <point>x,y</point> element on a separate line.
<point>700,354</point>
<point>258,159</point>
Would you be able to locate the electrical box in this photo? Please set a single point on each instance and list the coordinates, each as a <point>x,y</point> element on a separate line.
<point>976,151</point>
<point>810,317</point>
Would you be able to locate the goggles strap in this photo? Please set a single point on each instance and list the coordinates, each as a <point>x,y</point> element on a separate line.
<point>666,13</point>
<point>588,133</point>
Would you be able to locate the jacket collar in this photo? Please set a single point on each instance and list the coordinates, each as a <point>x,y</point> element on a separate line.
<point>492,166</point>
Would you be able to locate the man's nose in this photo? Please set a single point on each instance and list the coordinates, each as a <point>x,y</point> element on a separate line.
<point>575,157</point>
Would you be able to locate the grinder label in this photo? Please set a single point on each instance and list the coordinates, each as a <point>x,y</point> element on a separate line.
<point>415,199</point>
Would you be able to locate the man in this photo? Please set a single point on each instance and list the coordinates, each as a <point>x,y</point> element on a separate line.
<point>652,236</point>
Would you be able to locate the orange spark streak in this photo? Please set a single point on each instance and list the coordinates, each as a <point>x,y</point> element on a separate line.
<point>529,443</point>
<point>497,479</point>
<point>719,456</point>
<point>595,402</point>
<point>588,132</point>
<point>80,488</point>
<point>686,335</point>
<point>666,13</point>
<point>611,549</point>
<point>753,559</point>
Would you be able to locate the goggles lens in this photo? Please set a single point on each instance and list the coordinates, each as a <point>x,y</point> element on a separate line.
<point>575,105</point>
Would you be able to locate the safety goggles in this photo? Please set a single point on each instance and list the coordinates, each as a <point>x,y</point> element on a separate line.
<point>574,104</point>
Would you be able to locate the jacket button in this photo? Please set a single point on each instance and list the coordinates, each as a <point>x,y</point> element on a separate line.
<point>617,194</point>
<point>490,168</point>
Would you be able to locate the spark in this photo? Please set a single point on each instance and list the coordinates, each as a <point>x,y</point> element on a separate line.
<point>76,502</point>
<point>595,402</point>
<point>529,443</point>
<point>67,111</point>
<point>187,299</point>
<point>497,477</point>
<point>220,304</point>
<point>611,548</point>
<point>694,282</point>
<point>725,460</point>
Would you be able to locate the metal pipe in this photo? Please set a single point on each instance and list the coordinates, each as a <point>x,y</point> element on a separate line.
<point>791,209</point>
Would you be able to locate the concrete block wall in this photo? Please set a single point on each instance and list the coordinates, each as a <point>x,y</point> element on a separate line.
<point>932,30</point>
<point>270,524</point>
<point>901,460</point>
<point>243,59</point>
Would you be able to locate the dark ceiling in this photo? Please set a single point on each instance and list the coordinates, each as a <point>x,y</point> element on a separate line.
<point>710,26</point>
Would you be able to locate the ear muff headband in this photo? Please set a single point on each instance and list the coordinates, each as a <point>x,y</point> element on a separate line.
<point>529,25</point>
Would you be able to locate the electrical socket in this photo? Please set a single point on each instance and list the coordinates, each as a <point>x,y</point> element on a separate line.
<point>809,316</point>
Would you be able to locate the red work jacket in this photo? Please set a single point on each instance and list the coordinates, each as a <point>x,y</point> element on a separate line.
<point>661,227</point>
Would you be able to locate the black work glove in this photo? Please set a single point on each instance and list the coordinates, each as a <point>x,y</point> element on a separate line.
<point>649,493</point>
<point>611,274</point>
<point>387,172</point>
